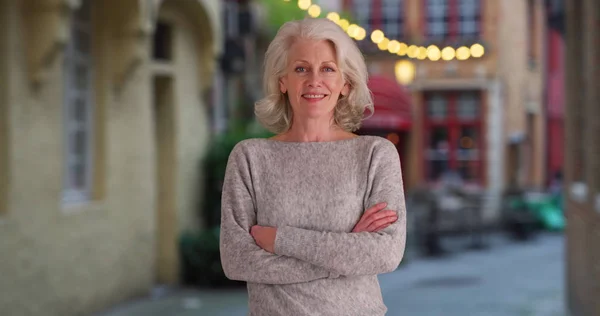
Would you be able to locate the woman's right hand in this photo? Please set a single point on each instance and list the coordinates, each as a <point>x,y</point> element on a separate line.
<point>375,219</point>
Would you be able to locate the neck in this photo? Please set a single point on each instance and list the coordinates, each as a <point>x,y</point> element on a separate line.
<point>313,131</point>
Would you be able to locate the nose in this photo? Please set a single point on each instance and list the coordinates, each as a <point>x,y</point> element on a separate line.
<point>314,79</point>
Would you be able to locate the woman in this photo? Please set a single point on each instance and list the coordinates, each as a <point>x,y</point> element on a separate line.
<point>312,215</point>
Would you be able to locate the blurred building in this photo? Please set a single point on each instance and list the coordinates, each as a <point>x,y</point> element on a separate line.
<point>103,120</point>
<point>482,117</point>
<point>237,77</point>
<point>582,156</point>
<point>555,88</point>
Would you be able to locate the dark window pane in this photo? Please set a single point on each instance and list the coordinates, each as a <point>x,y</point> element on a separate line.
<point>437,18</point>
<point>438,152</point>
<point>84,12</point>
<point>469,16</point>
<point>163,41</point>
<point>81,39</point>
<point>79,110</point>
<point>437,107</point>
<point>468,106</point>
<point>81,76</point>
<point>79,175</point>
<point>80,144</point>
<point>468,170</point>
<point>468,143</point>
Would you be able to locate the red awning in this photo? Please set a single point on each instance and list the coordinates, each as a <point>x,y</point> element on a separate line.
<point>392,105</point>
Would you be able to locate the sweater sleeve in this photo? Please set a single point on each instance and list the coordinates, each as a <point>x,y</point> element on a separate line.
<point>242,259</point>
<point>362,253</point>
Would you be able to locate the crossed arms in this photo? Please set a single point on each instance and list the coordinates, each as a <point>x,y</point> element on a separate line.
<point>302,255</point>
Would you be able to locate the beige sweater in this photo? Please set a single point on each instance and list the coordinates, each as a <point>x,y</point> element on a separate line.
<point>314,193</point>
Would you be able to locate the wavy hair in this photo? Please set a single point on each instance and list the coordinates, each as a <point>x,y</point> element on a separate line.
<point>274,111</point>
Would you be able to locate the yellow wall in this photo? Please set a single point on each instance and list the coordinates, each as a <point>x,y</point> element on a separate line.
<point>524,84</point>
<point>62,259</point>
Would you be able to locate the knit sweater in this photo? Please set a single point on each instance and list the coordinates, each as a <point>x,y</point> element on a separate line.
<point>313,193</point>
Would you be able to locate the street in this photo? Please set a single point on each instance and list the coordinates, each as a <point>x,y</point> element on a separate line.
<point>508,279</point>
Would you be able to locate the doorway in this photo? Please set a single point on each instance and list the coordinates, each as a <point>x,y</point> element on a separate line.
<point>166,219</point>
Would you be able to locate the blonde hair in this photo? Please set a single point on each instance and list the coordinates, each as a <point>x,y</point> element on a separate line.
<point>274,111</point>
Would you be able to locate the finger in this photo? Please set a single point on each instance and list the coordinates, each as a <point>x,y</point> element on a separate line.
<point>382,227</point>
<point>363,221</point>
<point>377,216</point>
<point>374,209</point>
<point>381,221</point>
<point>386,220</point>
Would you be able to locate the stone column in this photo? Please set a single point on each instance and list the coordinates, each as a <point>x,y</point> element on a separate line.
<point>573,84</point>
<point>495,164</point>
<point>590,36</point>
<point>573,98</point>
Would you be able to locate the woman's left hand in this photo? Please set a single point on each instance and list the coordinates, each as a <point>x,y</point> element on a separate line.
<point>264,236</point>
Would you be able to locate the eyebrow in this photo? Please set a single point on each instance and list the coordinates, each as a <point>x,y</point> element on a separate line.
<point>306,62</point>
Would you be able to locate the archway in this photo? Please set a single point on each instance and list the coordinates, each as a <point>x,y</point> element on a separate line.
<point>181,63</point>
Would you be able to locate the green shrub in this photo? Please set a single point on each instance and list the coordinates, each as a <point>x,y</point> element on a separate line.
<point>200,256</point>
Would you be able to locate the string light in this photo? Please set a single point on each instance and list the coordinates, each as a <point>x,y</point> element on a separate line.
<point>477,50</point>
<point>362,33</point>
<point>353,30</point>
<point>403,49</point>
<point>333,16</point>
<point>304,4</point>
<point>412,51</point>
<point>314,10</point>
<point>396,47</point>
<point>344,24</point>
<point>377,36</point>
<point>434,53</point>
<point>383,45</point>
<point>463,53</point>
<point>448,53</point>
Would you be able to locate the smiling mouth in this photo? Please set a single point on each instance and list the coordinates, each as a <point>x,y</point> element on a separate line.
<point>314,97</point>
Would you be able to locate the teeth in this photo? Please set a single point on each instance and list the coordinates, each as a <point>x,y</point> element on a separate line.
<point>314,96</point>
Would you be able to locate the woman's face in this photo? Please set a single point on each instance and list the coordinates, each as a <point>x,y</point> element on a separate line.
<point>313,80</point>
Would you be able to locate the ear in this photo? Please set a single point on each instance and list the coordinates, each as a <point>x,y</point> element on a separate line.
<point>282,85</point>
<point>345,89</point>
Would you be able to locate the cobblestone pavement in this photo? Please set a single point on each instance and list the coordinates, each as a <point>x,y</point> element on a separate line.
<point>508,279</point>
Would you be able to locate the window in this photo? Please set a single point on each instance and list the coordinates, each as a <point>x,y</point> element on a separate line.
<point>162,44</point>
<point>363,14</point>
<point>453,135</point>
<point>468,18</point>
<point>392,18</point>
<point>437,19</point>
<point>532,33</point>
<point>78,108</point>
<point>388,16</point>
<point>451,19</point>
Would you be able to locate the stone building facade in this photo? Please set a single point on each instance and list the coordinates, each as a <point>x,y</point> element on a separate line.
<point>103,121</point>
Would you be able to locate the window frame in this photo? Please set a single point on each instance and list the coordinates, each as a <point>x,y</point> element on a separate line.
<point>376,19</point>
<point>75,58</point>
<point>454,124</point>
<point>399,19</point>
<point>453,23</point>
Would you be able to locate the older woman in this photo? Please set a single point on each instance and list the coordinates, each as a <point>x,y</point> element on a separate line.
<point>311,216</point>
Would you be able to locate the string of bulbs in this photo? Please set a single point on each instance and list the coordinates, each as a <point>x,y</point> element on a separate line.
<point>399,48</point>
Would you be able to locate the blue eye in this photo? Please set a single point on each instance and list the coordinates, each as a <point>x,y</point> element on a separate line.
<point>328,69</point>
<point>299,69</point>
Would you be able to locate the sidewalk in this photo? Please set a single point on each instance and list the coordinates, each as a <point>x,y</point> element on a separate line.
<point>509,279</point>
<point>186,302</point>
